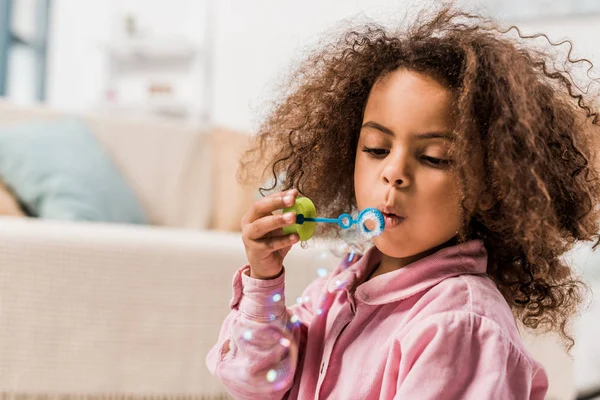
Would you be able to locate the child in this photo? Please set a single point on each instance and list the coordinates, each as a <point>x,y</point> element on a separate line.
<point>480,155</point>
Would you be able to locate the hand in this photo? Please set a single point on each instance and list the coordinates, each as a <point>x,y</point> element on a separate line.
<point>262,233</point>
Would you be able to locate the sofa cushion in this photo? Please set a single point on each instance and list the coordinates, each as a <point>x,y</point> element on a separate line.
<point>58,170</point>
<point>231,199</point>
<point>167,162</point>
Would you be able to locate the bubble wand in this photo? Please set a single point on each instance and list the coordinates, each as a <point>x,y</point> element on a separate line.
<point>306,219</point>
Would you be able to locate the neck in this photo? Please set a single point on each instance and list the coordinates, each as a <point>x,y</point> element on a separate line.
<point>389,264</point>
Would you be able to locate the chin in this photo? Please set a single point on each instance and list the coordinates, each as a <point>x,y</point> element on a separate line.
<point>395,249</point>
<point>404,249</point>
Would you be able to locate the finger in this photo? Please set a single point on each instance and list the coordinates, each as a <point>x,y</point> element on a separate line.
<point>267,205</point>
<point>246,219</point>
<point>265,227</point>
<point>276,232</point>
<point>272,244</point>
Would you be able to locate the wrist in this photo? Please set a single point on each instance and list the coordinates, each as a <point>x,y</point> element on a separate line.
<point>253,275</point>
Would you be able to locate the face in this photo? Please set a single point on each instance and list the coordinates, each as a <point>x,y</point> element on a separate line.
<point>402,164</point>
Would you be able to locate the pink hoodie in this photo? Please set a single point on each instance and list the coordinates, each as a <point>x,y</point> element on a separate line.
<point>435,329</point>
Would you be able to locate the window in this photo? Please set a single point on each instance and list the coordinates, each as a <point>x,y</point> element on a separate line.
<point>23,48</point>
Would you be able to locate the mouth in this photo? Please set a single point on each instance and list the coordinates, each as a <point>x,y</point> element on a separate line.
<point>392,220</point>
<point>391,215</point>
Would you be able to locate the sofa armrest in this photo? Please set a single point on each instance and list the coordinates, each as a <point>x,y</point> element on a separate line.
<point>100,308</point>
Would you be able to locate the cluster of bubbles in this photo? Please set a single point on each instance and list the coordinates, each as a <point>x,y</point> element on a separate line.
<point>352,241</point>
<point>356,239</point>
<point>276,376</point>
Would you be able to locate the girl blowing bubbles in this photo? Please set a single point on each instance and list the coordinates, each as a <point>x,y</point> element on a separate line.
<point>479,153</point>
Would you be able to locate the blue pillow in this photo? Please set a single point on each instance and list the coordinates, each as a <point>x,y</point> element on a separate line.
<point>58,170</point>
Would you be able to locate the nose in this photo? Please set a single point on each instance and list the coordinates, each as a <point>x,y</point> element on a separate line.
<point>395,171</point>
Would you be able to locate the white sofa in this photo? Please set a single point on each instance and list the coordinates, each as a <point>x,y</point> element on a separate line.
<point>105,309</point>
<point>99,309</point>
<point>90,309</point>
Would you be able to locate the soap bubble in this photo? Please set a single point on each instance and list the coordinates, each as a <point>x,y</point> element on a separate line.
<point>347,245</point>
<point>340,249</point>
<point>271,375</point>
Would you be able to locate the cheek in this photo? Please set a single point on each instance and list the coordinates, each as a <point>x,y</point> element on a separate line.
<point>443,199</point>
<point>361,180</point>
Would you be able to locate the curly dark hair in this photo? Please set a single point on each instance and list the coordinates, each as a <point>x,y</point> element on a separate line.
<point>524,153</point>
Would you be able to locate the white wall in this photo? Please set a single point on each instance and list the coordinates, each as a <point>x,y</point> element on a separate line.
<point>256,43</point>
<point>81,30</point>
<point>75,57</point>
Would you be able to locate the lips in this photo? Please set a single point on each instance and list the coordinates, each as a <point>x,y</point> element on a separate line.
<point>392,220</point>
<point>391,215</point>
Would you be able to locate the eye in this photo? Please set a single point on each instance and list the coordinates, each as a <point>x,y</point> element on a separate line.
<point>437,162</point>
<point>375,152</point>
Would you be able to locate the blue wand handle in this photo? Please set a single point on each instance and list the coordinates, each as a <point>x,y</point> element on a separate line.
<point>345,221</point>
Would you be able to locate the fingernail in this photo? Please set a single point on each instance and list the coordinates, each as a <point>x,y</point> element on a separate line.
<point>289,217</point>
<point>294,237</point>
<point>288,200</point>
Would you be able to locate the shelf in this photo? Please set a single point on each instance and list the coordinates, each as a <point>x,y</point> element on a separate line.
<point>164,107</point>
<point>153,51</point>
<point>152,76</point>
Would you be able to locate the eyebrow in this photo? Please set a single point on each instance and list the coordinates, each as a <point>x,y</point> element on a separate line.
<point>425,135</point>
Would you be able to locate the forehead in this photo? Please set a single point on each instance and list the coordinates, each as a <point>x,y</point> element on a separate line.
<point>410,100</point>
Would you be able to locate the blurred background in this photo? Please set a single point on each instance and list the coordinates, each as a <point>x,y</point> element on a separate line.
<point>132,112</point>
<point>216,60</point>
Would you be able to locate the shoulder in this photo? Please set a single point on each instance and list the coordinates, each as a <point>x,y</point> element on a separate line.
<point>476,294</point>
<point>476,348</point>
<point>471,302</point>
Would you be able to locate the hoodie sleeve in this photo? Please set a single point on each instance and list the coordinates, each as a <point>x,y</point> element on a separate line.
<point>463,355</point>
<point>258,348</point>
